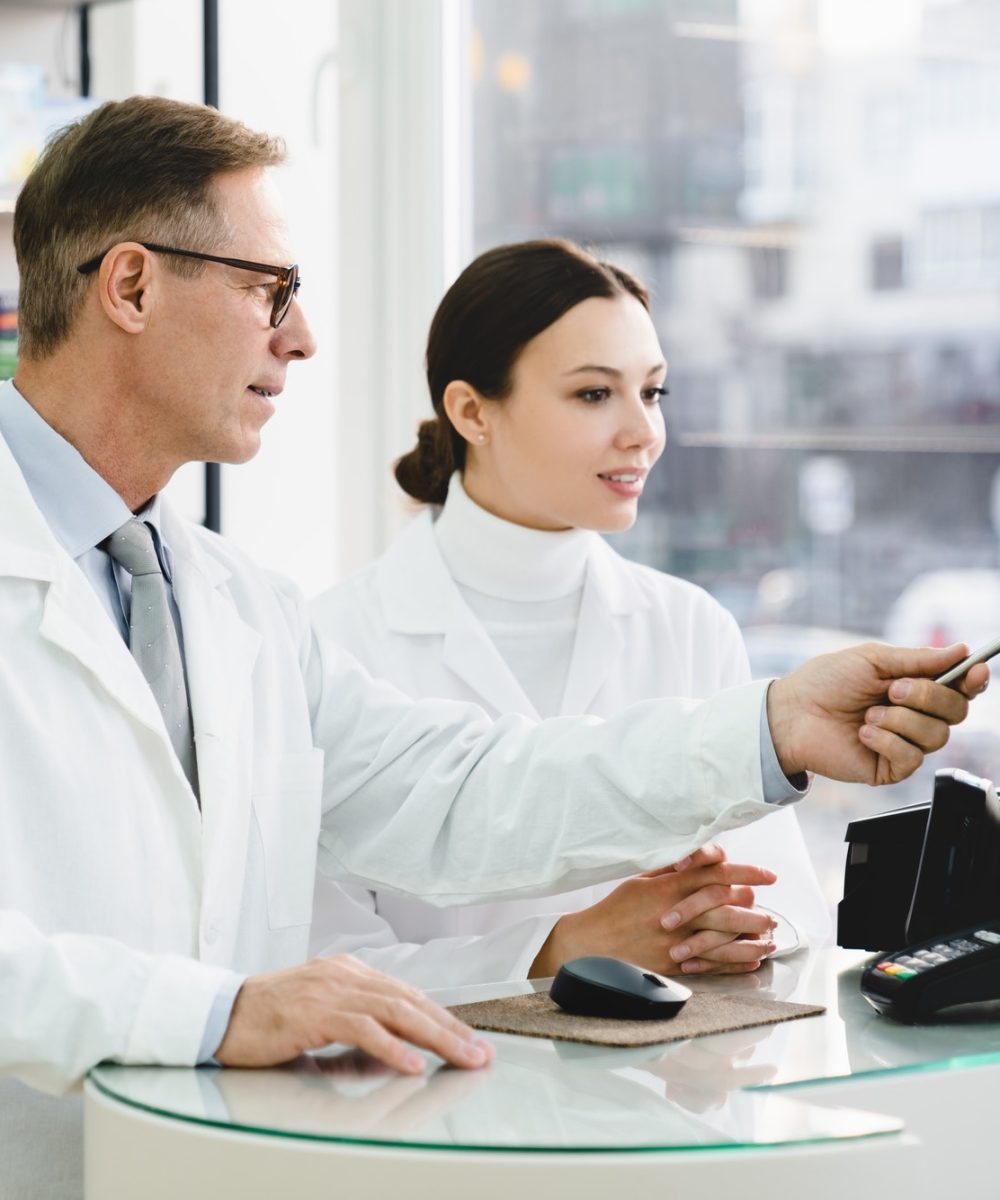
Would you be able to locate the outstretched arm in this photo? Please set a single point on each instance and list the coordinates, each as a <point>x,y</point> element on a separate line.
<point>410,788</point>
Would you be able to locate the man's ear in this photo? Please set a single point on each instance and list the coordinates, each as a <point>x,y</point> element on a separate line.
<point>123,286</point>
<point>467,411</point>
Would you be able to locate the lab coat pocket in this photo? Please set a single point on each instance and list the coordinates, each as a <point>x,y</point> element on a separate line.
<point>286,805</point>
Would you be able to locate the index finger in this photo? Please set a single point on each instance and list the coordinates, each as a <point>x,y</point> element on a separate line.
<point>975,681</point>
<point>733,873</point>
<point>933,699</point>
<point>713,895</point>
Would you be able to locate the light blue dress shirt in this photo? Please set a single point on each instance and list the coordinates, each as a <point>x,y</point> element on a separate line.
<point>82,509</point>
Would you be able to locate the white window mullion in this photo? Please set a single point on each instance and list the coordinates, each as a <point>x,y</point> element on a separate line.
<point>404,217</point>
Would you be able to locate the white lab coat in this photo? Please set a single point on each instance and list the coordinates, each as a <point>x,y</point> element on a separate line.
<point>122,908</point>
<point>640,635</point>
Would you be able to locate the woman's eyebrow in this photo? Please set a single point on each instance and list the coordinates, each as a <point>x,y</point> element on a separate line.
<point>595,367</point>
<point>613,371</point>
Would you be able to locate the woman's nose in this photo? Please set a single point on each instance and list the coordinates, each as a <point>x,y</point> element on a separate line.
<point>644,426</point>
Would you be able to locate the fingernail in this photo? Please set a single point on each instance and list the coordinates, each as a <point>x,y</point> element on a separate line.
<point>682,863</point>
<point>875,715</point>
<point>487,1047</point>
<point>691,968</point>
<point>680,952</point>
<point>671,920</point>
<point>474,1054</point>
<point>866,733</point>
<point>413,1062</point>
<point>900,689</point>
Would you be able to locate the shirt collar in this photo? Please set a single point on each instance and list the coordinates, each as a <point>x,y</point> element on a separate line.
<point>80,507</point>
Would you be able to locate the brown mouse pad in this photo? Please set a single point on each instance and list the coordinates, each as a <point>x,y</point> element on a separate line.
<point>535,1015</point>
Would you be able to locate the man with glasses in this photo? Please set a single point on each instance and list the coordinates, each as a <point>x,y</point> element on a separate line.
<point>176,747</point>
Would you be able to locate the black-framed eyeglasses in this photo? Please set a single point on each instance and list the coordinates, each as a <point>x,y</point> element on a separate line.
<point>288,277</point>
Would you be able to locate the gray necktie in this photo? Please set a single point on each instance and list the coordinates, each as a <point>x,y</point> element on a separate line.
<point>153,637</point>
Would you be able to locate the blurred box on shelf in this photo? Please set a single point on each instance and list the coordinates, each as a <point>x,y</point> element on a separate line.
<point>28,117</point>
<point>8,334</point>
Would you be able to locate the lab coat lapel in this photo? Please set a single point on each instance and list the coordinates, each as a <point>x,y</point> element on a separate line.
<point>72,616</point>
<point>470,653</point>
<point>419,596</point>
<point>220,650</point>
<point>609,597</point>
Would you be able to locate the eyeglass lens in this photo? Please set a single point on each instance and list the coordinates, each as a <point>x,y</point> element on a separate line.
<point>283,295</point>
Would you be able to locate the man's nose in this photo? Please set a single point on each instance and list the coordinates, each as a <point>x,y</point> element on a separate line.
<point>294,336</point>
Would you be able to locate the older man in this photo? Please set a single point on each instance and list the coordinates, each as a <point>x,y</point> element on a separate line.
<point>176,744</point>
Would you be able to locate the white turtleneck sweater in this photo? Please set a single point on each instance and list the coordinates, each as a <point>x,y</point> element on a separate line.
<point>524,586</point>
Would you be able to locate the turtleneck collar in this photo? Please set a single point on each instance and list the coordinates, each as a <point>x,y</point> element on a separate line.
<point>497,558</point>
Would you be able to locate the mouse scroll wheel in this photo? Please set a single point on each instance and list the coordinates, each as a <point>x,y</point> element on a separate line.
<point>654,979</point>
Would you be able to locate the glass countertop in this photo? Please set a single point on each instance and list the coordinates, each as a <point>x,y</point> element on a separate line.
<point>723,1091</point>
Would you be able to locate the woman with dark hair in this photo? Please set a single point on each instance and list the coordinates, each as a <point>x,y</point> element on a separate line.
<point>546,378</point>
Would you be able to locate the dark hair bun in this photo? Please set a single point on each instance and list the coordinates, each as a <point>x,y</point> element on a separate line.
<point>425,472</point>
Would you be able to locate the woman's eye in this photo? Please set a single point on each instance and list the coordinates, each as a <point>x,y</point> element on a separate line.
<point>594,395</point>
<point>655,394</point>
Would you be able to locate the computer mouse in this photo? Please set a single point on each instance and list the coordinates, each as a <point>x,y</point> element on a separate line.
<point>596,986</point>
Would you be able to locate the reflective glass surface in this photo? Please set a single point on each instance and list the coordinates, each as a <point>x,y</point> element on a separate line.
<point>716,1091</point>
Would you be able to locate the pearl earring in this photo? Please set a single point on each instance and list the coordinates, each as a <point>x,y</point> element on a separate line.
<point>481,438</point>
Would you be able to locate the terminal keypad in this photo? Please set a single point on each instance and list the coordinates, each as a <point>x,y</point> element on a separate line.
<point>906,964</point>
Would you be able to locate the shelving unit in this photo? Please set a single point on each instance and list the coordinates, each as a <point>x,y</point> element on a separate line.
<point>41,33</point>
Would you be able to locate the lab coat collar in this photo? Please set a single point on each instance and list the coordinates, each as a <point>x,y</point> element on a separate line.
<point>28,548</point>
<point>221,648</point>
<point>419,596</point>
<point>413,581</point>
<point>70,614</point>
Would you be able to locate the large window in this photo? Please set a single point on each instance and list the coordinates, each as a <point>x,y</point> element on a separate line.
<point>811,189</point>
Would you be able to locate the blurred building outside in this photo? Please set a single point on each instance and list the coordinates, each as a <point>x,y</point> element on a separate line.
<point>811,188</point>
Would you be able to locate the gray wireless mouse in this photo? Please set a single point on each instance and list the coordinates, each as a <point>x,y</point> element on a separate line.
<point>597,986</point>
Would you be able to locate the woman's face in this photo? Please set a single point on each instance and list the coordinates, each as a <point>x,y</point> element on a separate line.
<point>572,444</point>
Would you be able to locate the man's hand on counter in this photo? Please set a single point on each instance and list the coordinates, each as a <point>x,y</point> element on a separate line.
<point>280,1015</point>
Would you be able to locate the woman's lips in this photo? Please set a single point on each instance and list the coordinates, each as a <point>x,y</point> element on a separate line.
<point>624,483</point>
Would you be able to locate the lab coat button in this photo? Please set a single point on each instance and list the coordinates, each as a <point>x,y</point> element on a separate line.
<point>211,932</point>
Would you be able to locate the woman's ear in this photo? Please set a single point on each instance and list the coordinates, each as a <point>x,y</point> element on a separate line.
<point>467,411</point>
<point>123,286</point>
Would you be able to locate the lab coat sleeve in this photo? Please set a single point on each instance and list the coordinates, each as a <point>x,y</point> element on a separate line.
<point>410,789</point>
<point>351,925</point>
<point>70,1001</point>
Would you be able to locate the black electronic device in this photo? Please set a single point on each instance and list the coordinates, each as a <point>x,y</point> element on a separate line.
<point>958,879</point>
<point>882,858</point>
<point>925,870</point>
<point>596,986</point>
<point>914,984</point>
